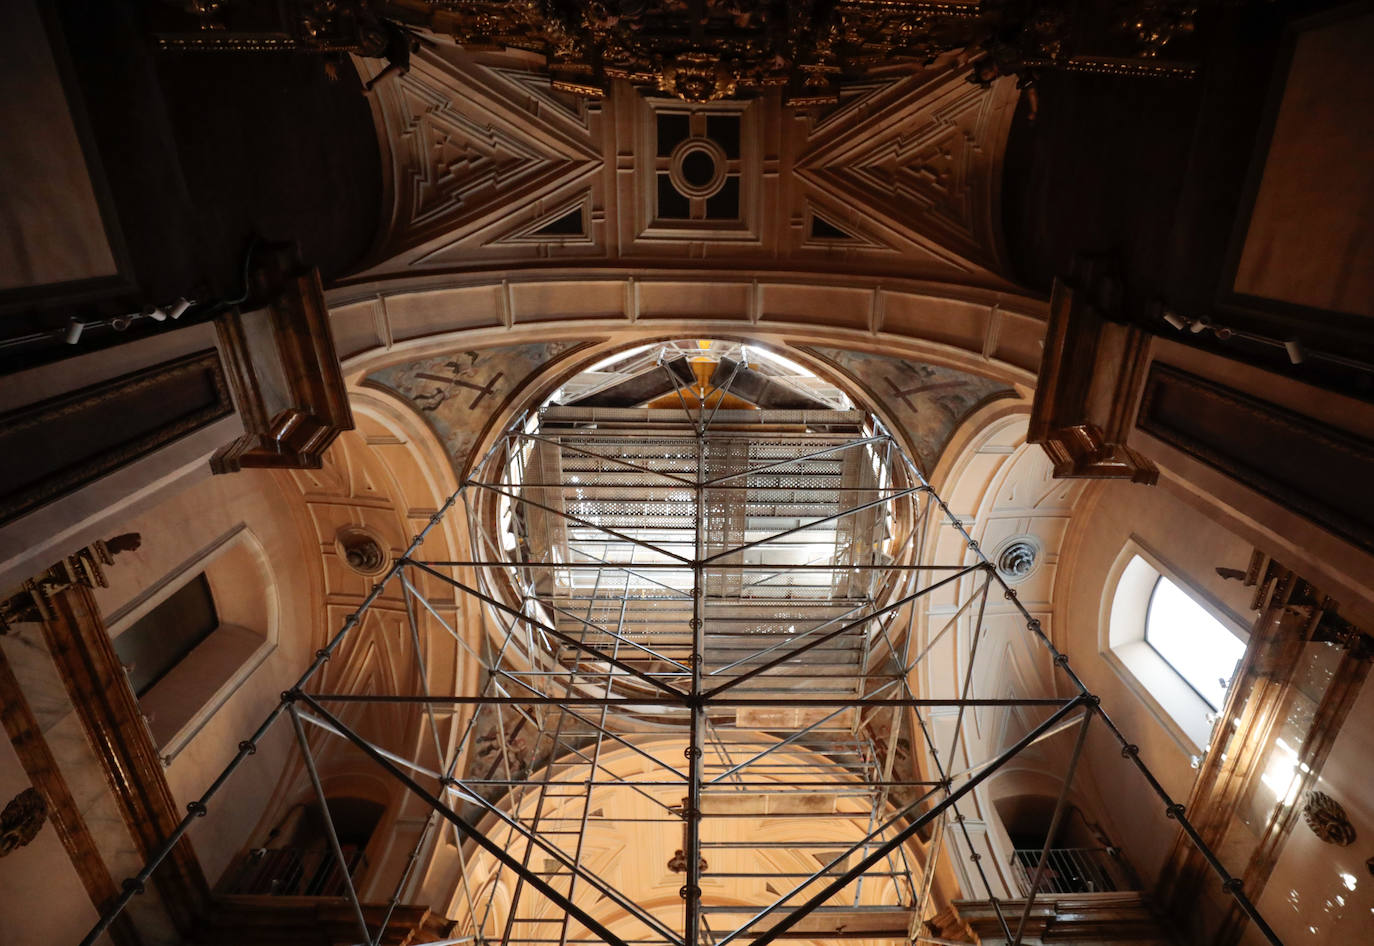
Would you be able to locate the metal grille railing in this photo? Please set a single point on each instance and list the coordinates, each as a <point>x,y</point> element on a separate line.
<point>295,872</point>
<point>1071,870</point>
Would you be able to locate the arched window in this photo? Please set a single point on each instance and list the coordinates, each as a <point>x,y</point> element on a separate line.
<point>1173,647</point>
<point>1197,646</point>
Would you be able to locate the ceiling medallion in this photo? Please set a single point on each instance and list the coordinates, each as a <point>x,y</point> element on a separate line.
<point>1017,558</point>
<point>1327,819</point>
<point>697,167</point>
<point>363,550</point>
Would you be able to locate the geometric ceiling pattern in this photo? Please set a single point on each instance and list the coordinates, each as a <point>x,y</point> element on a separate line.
<point>480,153</point>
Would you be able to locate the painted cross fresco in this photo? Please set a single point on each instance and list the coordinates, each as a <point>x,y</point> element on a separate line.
<point>440,394</point>
<point>906,394</point>
<point>459,392</point>
<point>927,401</point>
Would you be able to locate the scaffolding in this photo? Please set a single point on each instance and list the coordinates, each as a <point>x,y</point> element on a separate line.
<point>699,634</point>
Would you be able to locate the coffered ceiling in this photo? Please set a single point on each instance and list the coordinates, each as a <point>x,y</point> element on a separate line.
<point>488,166</point>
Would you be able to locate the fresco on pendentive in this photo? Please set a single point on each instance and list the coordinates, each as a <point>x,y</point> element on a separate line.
<point>928,401</point>
<point>458,393</point>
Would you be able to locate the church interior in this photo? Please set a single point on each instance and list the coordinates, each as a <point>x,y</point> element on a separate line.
<point>686,472</point>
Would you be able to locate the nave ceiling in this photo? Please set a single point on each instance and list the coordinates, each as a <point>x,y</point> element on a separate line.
<point>487,166</point>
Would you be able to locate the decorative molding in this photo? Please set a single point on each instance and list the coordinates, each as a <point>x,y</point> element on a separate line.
<point>83,567</point>
<point>74,439</point>
<point>807,50</point>
<point>105,704</point>
<point>541,230</point>
<point>479,159</point>
<point>41,768</point>
<point>466,144</point>
<point>543,96</point>
<point>1327,819</point>
<point>1292,616</point>
<point>284,371</point>
<point>851,235</point>
<point>21,820</point>
<point>920,159</point>
<point>1090,374</point>
<point>1312,467</point>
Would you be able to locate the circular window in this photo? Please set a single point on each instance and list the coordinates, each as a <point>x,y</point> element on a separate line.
<point>697,167</point>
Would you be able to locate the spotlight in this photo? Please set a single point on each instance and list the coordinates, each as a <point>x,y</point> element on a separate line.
<point>1295,352</point>
<point>1174,319</point>
<point>179,307</point>
<point>74,329</point>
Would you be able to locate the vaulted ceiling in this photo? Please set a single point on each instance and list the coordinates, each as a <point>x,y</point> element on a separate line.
<point>487,166</point>
<point>461,394</point>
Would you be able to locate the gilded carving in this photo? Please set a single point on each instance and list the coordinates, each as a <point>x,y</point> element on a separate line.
<point>1327,819</point>
<point>21,820</point>
<point>83,567</point>
<point>710,49</point>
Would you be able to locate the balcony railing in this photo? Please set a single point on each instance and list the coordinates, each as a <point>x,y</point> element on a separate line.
<point>1073,870</point>
<point>294,872</point>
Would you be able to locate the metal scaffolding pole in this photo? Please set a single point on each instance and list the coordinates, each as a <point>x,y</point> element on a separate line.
<point>650,584</point>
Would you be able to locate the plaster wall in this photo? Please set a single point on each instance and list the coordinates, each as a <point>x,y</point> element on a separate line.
<point>1312,206</point>
<point>1319,892</point>
<point>1191,545</point>
<point>51,229</point>
<point>176,533</point>
<point>39,873</point>
<point>1000,490</point>
<point>92,511</point>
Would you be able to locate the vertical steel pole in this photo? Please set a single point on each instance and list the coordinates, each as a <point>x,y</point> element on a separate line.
<point>691,891</point>
<point>1055,821</point>
<point>334,844</point>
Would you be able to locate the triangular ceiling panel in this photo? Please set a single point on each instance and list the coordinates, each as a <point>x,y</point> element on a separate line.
<point>567,224</point>
<point>853,97</point>
<point>538,86</point>
<point>918,159</point>
<point>828,229</point>
<point>463,154</point>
